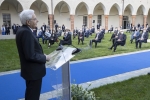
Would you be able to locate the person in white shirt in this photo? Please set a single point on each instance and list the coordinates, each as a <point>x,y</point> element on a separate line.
<point>3,30</point>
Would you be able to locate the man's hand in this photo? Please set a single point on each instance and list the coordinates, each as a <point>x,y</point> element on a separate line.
<point>47,57</point>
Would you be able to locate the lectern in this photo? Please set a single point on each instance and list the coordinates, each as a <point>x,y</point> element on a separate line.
<point>60,73</point>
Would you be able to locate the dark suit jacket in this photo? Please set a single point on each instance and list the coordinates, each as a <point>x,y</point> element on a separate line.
<point>68,39</point>
<point>145,36</point>
<point>98,26</point>
<point>81,35</point>
<point>100,36</point>
<point>122,37</point>
<point>14,27</point>
<point>31,55</point>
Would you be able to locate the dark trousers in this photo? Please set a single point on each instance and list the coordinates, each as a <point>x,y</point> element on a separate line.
<point>109,31</point>
<point>33,89</point>
<point>116,43</point>
<point>14,31</point>
<point>79,41</point>
<point>62,42</point>
<point>95,42</point>
<point>139,42</point>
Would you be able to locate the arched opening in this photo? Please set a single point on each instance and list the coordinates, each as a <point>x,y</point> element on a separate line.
<point>41,12</point>
<point>113,16</point>
<point>81,16</point>
<point>9,10</point>
<point>127,17</point>
<point>62,14</point>
<point>98,15</point>
<point>139,16</point>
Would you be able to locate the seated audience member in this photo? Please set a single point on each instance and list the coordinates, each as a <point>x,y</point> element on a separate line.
<point>80,37</point>
<point>47,35</point>
<point>75,32</point>
<point>135,35</point>
<point>53,38</point>
<point>133,28</point>
<point>142,38</point>
<point>92,30</point>
<point>59,32</point>
<point>35,32</point>
<point>114,34</point>
<point>87,33</point>
<point>120,40</point>
<point>98,38</point>
<point>111,29</point>
<point>66,39</point>
<point>103,30</point>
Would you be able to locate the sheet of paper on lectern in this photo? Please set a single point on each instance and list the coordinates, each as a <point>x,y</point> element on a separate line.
<point>58,58</point>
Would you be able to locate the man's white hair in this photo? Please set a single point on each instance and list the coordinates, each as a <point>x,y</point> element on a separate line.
<point>26,15</point>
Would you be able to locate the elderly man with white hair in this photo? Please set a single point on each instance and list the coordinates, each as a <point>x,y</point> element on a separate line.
<point>120,40</point>
<point>31,55</point>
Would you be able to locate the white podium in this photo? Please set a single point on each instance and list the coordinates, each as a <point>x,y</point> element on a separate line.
<point>60,73</point>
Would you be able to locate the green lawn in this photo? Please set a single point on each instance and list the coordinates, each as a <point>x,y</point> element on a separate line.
<point>133,89</point>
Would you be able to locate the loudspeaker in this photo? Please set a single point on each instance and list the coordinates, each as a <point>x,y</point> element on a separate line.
<point>54,21</point>
<point>93,21</point>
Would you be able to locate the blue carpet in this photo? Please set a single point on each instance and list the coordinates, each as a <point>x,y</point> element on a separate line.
<point>12,86</point>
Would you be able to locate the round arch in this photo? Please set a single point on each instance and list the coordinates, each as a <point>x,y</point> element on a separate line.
<point>81,14</point>
<point>114,13</point>
<point>62,11</point>
<point>99,12</point>
<point>117,7</point>
<point>10,12</point>
<point>41,11</point>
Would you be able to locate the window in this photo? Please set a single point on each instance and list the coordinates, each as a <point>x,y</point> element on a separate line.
<point>6,19</point>
<point>85,20</point>
<point>99,19</point>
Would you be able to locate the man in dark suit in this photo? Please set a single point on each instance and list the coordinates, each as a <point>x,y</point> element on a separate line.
<point>98,38</point>
<point>98,26</point>
<point>66,39</point>
<point>75,32</point>
<point>7,30</point>
<point>56,27</point>
<point>142,38</point>
<point>63,28</point>
<point>121,40</point>
<point>114,35</point>
<point>111,29</point>
<point>80,37</point>
<point>14,28</point>
<point>31,55</point>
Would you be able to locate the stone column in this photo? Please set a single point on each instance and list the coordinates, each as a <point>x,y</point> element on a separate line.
<point>72,22</point>
<point>145,20</point>
<point>51,20</point>
<point>90,20</point>
<point>106,22</point>
<point>120,20</point>
<point>133,19</point>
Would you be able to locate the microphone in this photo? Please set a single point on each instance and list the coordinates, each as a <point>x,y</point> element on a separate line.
<point>77,50</point>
